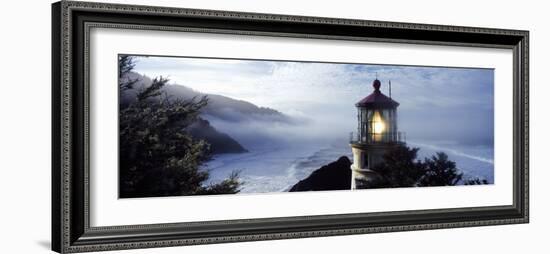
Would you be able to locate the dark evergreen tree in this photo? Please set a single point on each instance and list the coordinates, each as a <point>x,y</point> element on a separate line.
<point>157,157</point>
<point>399,169</point>
<point>126,64</point>
<point>440,171</point>
<point>476,181</point>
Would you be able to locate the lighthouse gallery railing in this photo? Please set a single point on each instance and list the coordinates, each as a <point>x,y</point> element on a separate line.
<point>371,137</point>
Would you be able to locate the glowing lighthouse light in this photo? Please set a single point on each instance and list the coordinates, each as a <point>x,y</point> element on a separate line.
<point>378,126</point>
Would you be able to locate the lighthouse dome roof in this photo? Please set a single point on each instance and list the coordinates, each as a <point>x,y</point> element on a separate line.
<point>377,99</point>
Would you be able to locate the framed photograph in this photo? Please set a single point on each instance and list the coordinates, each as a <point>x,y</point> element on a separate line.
<point>182,126</point>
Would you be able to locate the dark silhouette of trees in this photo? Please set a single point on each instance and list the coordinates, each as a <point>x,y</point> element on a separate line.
<point>399,169</point>
<point>402,169</point>
<point>475,181</point>
<point>440,171</point>
<point>125,65</point>
<point>157,157</point>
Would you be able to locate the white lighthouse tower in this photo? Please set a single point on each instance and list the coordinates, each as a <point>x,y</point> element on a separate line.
<point>376,134</point>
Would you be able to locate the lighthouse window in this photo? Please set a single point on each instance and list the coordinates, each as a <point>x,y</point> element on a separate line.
<point>365,160</point>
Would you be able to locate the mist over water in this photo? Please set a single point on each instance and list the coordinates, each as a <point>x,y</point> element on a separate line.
<point>280,154</point>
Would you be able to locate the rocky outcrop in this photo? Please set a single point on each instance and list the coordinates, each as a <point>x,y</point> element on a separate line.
<point>334,176</point>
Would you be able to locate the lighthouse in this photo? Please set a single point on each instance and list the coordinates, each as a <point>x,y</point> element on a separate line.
<point>376,134</point>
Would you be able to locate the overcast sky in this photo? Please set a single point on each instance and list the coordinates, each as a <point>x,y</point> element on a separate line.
<point>445,104</point>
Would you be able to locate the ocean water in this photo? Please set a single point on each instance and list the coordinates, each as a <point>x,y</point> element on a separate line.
<point>277,169</point>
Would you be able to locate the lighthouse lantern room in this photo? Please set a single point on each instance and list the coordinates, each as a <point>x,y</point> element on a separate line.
<point>376,134</point>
